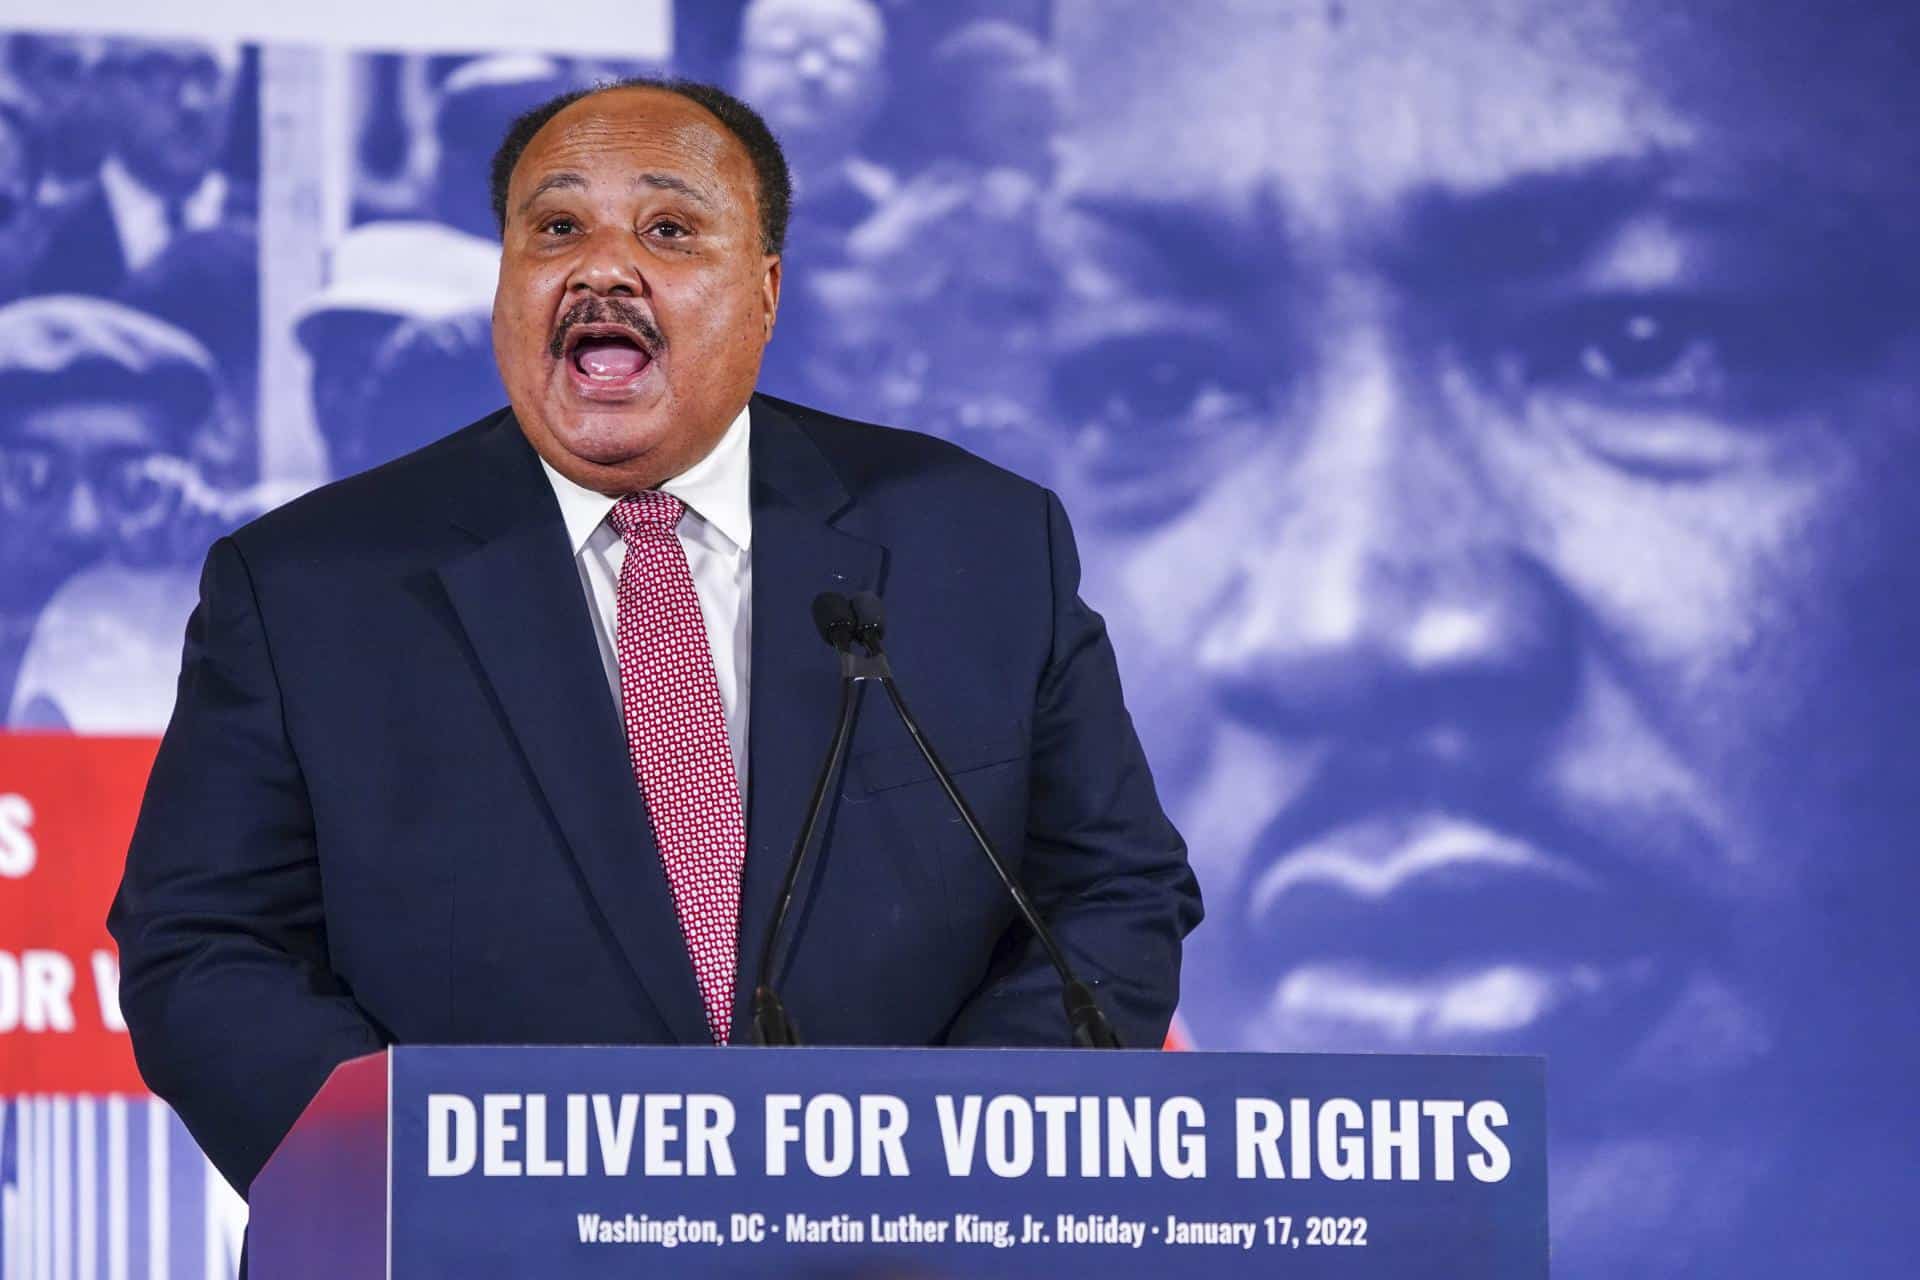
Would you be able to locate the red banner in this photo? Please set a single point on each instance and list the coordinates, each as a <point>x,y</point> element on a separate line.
<point>67,808</point>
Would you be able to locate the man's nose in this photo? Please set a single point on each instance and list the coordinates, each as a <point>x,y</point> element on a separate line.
<point>1390,588</point>
<point>813,64</point>
<point>197,95</point>
<point>85,517</point>
<point>608,264</point>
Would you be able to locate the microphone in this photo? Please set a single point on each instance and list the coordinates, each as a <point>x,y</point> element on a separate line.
<point>869,620</point>
<point>1091,1030</point>
<point>834,617</point>
<point>839,626</point>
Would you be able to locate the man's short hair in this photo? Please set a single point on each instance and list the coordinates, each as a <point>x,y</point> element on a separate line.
<point>773,182</point>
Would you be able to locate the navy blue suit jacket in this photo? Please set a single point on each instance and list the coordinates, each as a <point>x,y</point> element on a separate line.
<point>394,803</point>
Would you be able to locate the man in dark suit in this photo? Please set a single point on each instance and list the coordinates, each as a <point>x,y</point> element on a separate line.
<point>169,117</point>
<point>509,740</point>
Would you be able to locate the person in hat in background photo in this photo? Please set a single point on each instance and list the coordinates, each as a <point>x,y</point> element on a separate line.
<point>383,274</point>
<point>430,369</point>
<point>207,284</point>
<point>101,412</point>
<point>477,101</point>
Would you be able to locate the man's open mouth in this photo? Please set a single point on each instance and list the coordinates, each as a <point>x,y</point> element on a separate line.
<point>607,355</point>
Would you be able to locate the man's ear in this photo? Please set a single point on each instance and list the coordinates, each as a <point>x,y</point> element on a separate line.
<point>770,291</point>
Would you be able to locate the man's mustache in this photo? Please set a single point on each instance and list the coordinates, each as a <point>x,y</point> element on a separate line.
<point>607,311</point>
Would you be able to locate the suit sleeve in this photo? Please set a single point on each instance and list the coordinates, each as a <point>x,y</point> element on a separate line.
<point>235,1017</point>
<point>1103,863</point>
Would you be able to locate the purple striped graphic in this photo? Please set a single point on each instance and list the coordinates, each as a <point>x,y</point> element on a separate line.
<point>110,1188</point>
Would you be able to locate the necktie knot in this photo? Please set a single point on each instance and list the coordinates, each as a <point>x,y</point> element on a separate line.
<point>647,514</point>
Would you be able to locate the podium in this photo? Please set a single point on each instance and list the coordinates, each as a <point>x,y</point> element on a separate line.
<point>600,1162</point>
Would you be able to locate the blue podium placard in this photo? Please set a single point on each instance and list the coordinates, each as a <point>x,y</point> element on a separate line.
<point>591,1162</point>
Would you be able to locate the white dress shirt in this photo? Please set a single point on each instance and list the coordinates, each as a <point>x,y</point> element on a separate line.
<point>140,215</point>
<point>717,534</point>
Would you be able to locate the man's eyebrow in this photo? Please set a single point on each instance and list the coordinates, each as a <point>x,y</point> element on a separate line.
<point>1522,229</point>
<point>1521,226</point>
<point>1527,225</point>
<point>668,182</point>
<point>1178,245</point>
<point>552,182</point>
<point>1530,225</point>
<point>567,180</point>
<point>1437,238</point>
<point>1537,226</point>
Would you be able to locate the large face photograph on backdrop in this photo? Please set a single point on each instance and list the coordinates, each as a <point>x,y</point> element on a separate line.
<point>1487,426</point>
<point>1480,422</point>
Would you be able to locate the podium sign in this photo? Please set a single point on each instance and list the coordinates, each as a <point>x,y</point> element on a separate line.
<point>564,1162</point>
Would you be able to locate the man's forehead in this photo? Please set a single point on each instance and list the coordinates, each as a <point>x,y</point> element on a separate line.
<point>1344,107</point>
<point>622,133</point>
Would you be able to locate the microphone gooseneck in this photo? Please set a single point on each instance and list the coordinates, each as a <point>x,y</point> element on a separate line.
<point>862,621</point>
<point>837,625</point>
<point>1091,1029</point>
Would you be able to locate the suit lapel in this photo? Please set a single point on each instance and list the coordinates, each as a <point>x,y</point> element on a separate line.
<point>795,687</point>
<point>520,600</point>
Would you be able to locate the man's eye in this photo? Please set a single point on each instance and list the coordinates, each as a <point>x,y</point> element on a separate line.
<point>1747,354</point>
<point>1657,350</point>
<point>1635,347</point>
<point>1617,344</point>
<point>668,229</point>
<point>26,475</point>
<point>561,226</point>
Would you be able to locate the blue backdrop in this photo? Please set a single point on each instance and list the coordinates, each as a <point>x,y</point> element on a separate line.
<point>1483,421</point>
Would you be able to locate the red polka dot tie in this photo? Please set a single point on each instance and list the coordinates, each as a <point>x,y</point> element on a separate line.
<point>677,740</point>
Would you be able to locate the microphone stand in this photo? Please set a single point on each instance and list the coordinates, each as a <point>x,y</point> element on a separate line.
<point>772,1025</point>
<point>841,623</point>
<point>1091,1030</point>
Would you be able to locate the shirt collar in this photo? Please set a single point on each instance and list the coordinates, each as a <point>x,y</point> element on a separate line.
<point>716,488</point>
<point>140,214</point>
